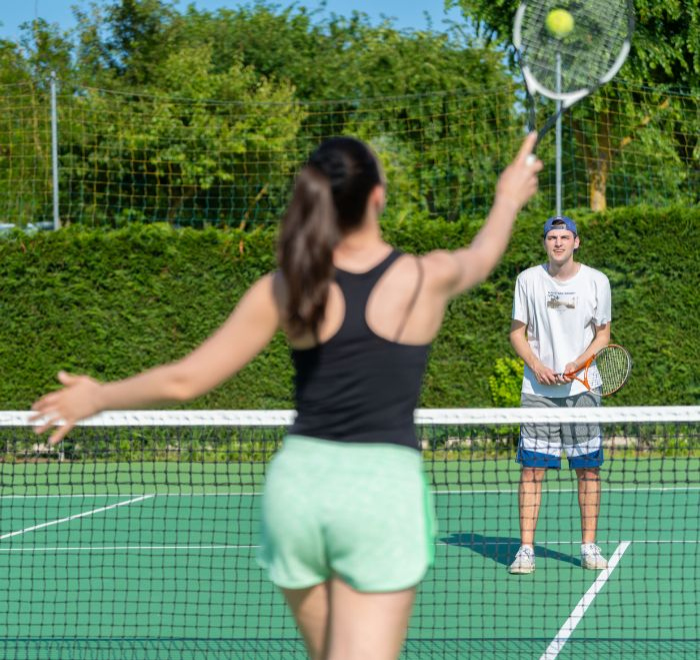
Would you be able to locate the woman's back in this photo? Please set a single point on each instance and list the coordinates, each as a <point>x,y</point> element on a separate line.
<point>359,384</point>
<point>402,306</point>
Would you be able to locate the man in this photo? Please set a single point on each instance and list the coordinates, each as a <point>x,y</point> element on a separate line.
<point>561,317</point>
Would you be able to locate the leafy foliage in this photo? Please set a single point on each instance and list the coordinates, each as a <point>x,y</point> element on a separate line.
<point>180,161</point>
<point>665,48</point>
<point>665,56</point>
<point>113,303</point>
<point>505,383</point>
<point>201,118</point>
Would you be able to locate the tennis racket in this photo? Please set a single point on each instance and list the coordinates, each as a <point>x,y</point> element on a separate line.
<point>590,47</point>
<point>607,370</point>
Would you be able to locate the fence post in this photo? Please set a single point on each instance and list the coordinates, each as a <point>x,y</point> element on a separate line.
<point>54,152</point>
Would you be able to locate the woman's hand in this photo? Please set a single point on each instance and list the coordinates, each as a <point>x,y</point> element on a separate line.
<point>518,182</point>
<point>63,409</point>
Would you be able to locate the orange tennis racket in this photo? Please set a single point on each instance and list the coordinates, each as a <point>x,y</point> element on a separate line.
<point>613,367</point>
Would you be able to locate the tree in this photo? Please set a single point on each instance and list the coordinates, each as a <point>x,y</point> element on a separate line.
<point>203,117</point>
<point>25,147</point>
<point>217,145</point>
<point>417,97</point>
<point>129,39</point>
<point>408,93</point>
<point>13,66</point>
<point>47,50</point>
<point>665,48</point>
<point>665,53</point>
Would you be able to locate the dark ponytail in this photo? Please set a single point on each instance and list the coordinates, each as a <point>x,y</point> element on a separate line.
<point>330,199</point>
<point>305,251</point>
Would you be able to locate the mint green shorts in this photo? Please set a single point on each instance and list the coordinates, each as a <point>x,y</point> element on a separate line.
<point>362,513</point>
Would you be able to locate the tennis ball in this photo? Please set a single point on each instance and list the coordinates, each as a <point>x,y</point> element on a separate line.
<point>559,22</point>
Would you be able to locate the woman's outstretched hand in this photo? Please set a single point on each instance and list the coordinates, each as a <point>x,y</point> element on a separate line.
<point>63,409</point>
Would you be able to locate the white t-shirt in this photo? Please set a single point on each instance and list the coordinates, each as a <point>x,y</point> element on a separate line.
<point>561,319</point>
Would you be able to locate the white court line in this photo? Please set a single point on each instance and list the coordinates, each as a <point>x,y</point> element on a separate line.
<point>73,517</point>
<point>93,495</point>
<point>511,491</point>
<point>114,548</point>
<point>574,543</point>
<point>574,619</point>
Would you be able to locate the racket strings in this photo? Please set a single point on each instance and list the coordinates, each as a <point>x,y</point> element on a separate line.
<point>601,28</point>
<point>614,366</point>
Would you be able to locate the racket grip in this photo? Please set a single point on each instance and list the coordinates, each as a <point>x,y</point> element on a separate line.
<point>530,160</point>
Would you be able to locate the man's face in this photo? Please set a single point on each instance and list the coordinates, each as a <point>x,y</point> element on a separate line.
<point>560,245</point>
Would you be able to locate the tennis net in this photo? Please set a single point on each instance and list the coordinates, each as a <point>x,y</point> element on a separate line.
<point>136,538</point>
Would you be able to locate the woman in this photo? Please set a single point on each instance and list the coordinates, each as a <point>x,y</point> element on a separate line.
<point>346,529</point>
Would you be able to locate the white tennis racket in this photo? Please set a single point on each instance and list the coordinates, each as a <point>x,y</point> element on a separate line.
<point>569,59</point>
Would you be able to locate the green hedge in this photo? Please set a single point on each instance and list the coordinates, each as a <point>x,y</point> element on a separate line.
<point>112,303</point>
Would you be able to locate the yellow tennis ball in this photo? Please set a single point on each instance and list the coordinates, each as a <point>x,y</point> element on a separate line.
<point>559,22</point>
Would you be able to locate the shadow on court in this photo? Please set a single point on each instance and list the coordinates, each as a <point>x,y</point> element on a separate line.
<point>502,549</point>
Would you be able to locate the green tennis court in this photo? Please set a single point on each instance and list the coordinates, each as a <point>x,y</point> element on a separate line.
<point>643,606</point>
<point>157,560</point>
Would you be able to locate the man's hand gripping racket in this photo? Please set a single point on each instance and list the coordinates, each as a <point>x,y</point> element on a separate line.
<point>605,372</point>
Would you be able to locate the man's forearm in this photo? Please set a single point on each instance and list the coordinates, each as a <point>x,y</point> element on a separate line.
<point>522,347</point>
<point>600,341</point>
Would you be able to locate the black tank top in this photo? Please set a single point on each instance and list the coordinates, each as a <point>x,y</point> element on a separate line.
<point>357,386</point>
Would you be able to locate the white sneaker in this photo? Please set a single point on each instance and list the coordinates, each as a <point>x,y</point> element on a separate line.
<point>591,557</point>
<point>524,561</point>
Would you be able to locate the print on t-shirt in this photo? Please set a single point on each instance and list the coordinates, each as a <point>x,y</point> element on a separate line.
<point>561,300</point>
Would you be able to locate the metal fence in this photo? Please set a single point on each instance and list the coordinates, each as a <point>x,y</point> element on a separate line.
<point>101,158</point>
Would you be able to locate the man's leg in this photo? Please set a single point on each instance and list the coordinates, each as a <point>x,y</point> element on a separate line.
<point>589,502</point>
<point>529,500</point>
<point>539,449</point>
<point>583,443</point>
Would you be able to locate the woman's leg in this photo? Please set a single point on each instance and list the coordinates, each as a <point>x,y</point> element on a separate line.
<point>367,626</point>
<point>311,608</point>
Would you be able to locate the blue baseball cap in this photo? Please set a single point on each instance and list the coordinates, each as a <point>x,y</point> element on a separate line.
<point>558,219</point>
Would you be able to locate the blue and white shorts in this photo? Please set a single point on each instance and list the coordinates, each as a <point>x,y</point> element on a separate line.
<point>541,445</point>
